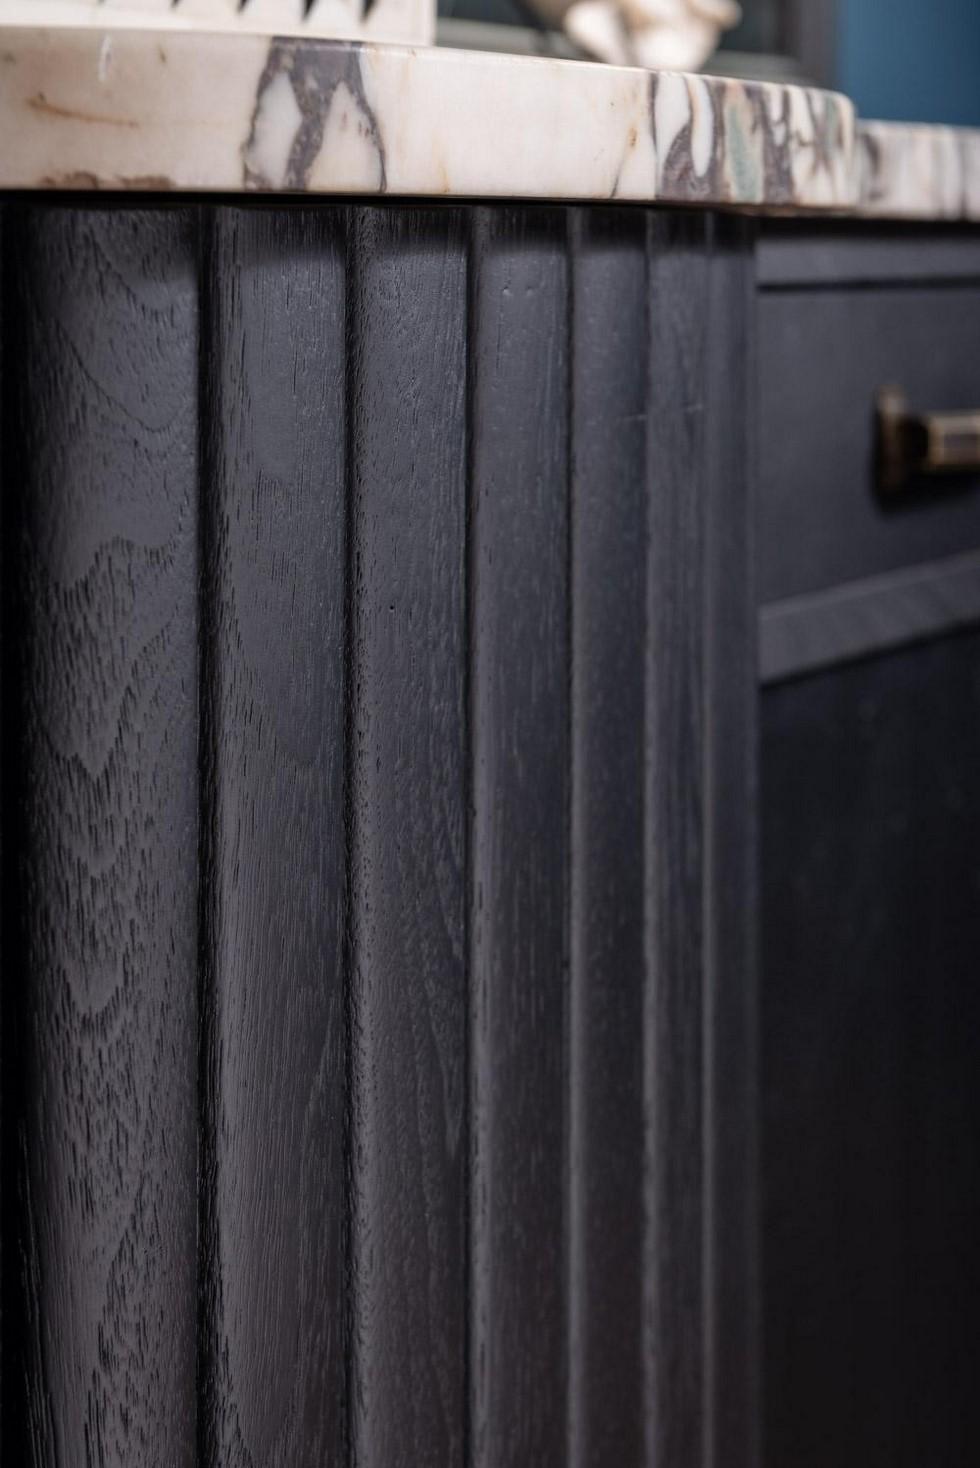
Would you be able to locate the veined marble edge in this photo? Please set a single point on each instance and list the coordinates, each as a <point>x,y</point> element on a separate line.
<point>200,111</point>
<point>918,171</point>
<point>220,112</point>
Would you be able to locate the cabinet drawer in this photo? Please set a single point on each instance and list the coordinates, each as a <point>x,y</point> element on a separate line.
<point>824,353</point>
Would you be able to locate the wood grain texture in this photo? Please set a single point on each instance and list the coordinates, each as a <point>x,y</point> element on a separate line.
<point>605,1093</point>
<point>442,1134</point>
<point>804,633</point>
<point>823,356</point>
<point>674,849</point>
<point>408,876</point>
<point>793,254</point>
<point>731,1016</point>
<point>871,1061</point>
<point>274,1383</point>
<point>519,639</point>
<point>101,763</point>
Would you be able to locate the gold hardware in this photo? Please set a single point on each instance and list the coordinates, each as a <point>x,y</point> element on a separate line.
<point>914,446</point>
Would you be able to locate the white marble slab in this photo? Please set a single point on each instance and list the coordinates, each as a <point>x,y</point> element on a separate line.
<point>907,171</point>
<point>137,109</point>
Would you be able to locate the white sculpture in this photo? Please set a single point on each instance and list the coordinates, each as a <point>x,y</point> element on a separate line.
<point>667,35</point>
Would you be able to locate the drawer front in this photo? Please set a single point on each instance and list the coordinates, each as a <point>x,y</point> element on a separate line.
<point>870,1085</point>
<point>824,353</point>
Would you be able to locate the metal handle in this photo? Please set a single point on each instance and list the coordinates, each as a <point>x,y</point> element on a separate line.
<point>916,446</point>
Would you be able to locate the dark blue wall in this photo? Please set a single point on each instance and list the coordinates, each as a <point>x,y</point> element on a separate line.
<point>917,60</point>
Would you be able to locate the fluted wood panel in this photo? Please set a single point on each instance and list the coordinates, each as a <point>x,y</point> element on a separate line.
<point>376,589</point>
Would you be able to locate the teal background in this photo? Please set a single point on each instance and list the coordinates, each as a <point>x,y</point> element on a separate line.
<point>911,60</point>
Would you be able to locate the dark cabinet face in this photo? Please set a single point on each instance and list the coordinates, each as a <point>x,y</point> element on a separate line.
<point>869,915</point>
<point>870,1036</point>
<point>824,353</point>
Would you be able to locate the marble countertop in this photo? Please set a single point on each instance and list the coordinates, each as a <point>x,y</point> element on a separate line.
<point>176,110</point>
<point>227,112</point>
<point>918,172</point>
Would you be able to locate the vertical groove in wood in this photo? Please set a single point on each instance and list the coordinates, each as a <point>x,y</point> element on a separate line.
<point>731,1007</point>
<point>275,1076</point>
<point>609,554</point>
<point>674,816</point>
<point>409,860</point>
<point>100,764</point>
<point>519,794</point>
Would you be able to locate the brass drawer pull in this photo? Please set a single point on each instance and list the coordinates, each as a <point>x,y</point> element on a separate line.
<point>913,446</point>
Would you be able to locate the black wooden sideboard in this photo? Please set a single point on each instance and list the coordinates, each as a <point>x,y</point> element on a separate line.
<point>450,1014</point>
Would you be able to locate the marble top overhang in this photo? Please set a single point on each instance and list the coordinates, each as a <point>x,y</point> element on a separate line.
<point>126,109</point>
<point>91,107</point>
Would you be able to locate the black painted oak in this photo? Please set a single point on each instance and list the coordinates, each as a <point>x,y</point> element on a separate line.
<point>869,913</point>
<point>377,669</point>
<point>794,254</point>
<point>408,857</point>
<point>823,355</point>
<point>610,287</point>
<point>674,844</point>
<point>100,875</point>
<point>519,554</point>
<point>871,1043</point>
<point>274,1084</point>
<point>734,1389</point>
<point>804,633</point>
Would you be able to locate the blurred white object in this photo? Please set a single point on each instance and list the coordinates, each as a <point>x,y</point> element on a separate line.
<point>668,35</point>
<point>410,21</point>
